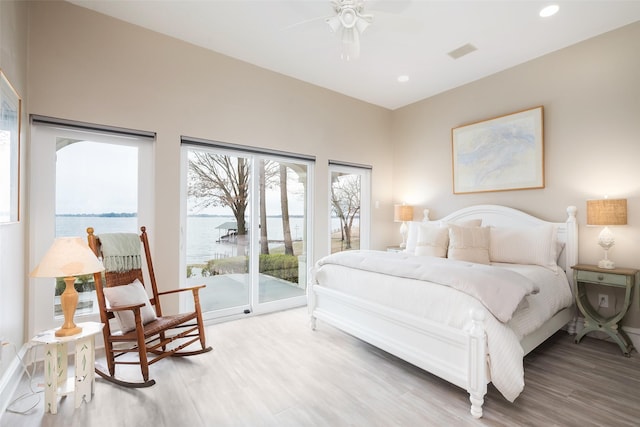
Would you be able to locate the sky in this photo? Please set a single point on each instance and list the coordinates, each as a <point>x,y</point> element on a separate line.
<point>87,186</point>
<point>84,185</point>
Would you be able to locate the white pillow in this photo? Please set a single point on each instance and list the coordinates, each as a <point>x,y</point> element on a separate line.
<point>525,245</point>
<point>414,229</point>
<point>433,240</point>
<point>130,294</point>
<point>469,244</point>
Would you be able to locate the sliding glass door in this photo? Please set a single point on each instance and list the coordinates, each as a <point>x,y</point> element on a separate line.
<point>245,219</point>
<point>282,228</point>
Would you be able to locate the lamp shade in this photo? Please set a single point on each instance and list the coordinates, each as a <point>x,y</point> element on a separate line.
<point>68,256</point>
<point>607,212</point>
<point>402,213</point>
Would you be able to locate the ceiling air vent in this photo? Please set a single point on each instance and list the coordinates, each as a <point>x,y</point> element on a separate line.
<point>462,51</point>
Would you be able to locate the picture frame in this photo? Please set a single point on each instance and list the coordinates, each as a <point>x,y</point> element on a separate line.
<point>10,117</point>
<point>499,154</point>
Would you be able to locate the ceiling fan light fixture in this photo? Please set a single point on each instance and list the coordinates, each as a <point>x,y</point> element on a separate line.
<point>348,17</point>
<point>348,24</point>
<point>334,23</point>
<point>361,25</point>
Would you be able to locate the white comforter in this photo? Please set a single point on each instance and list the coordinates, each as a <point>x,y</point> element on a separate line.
<point>451,307</point>
<point>500,290</point>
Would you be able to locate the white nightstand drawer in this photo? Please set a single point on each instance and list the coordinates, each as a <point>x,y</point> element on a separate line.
<point>599,277</point>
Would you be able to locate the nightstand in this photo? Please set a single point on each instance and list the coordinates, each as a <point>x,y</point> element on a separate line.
<point>394,249</point>
<point>58,380</point>
<point>624,278</point>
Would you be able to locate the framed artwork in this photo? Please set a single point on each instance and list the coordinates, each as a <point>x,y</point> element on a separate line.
<point>10,104</point>
<point>499,154</point>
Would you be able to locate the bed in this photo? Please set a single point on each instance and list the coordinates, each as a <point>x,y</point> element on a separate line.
<point>421,307</point>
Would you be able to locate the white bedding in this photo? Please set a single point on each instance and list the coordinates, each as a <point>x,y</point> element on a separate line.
<point>451,307</point>
<point>500,290</point>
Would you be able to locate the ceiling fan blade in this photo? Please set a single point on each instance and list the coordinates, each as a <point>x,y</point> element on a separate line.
<point>302,23</point>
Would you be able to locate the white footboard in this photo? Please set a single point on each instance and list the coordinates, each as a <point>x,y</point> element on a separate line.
<point>457,356</point>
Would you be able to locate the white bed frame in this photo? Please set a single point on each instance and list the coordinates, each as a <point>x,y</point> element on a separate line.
<point>458,356</point>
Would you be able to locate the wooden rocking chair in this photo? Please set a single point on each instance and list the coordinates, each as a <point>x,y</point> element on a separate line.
<point>152,341</point>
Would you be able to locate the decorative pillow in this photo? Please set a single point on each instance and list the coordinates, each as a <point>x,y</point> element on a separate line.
<point>130,294</point>
<point>469,244</point>
<point>414,230</point>
<point>525,245</point>
<point>433,240</point>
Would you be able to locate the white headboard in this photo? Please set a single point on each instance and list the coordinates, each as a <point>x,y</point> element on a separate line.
<point>495,215</point>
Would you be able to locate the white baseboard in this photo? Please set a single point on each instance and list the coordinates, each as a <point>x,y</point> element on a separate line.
<point>633,333</point>
<point>11,379</point>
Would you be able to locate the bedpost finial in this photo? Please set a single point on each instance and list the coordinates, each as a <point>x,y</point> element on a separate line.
<point>571,210</point>
<point>425,214</point>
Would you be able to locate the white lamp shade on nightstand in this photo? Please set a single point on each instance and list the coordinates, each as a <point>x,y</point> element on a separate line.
<point>606,212</point>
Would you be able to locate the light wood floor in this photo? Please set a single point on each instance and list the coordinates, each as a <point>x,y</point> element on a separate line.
<point>272,370</point>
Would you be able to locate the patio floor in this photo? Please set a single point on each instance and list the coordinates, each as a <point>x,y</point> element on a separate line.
<point>232,290</point>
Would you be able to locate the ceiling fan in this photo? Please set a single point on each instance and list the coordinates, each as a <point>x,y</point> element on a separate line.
<point>348,24</point>
<point>350,20</point>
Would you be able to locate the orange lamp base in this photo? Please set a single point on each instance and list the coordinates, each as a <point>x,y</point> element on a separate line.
<point>69,302</point>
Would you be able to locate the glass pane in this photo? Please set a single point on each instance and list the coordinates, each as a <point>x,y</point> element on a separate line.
<point>282,187</point>
<point>345,211</point>
<point>217,244</point>
<point>90,193</point>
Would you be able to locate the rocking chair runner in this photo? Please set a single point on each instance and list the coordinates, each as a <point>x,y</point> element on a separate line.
<point>151,341</point>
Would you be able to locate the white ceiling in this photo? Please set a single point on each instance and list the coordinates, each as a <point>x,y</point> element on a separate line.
<point>410,37</point>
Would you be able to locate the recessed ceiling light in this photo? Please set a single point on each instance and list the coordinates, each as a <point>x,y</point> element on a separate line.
<point>403,79</point>
<point>550,10</point>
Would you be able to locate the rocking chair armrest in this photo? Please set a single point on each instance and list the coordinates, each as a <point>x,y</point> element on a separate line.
<point>194,289</point>
<point>125,307</point>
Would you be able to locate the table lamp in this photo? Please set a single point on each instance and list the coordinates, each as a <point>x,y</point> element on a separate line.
<point>403,213</point>
<point>606,212</point>
<point>68,257</point>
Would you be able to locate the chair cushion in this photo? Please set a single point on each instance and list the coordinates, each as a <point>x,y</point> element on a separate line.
<point>130,294</point>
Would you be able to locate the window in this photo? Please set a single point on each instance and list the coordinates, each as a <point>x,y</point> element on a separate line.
<point>84,178</point>
<point>349,207</point>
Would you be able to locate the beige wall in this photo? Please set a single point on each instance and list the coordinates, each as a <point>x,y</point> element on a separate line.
<point>591,98</point>
<point>13,62</point>
<point>88,67</point>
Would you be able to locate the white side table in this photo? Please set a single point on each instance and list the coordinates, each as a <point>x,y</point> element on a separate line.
<point>57,382</point>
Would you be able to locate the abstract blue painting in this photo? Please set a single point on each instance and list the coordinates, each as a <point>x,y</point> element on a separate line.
<point>499,154</point>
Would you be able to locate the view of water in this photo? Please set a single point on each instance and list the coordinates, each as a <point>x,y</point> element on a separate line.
<point>202,233</point>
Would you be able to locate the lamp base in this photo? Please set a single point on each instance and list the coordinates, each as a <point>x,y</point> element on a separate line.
<point>67,332</point>
<point>69,302</point>
<point>607,264</point>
